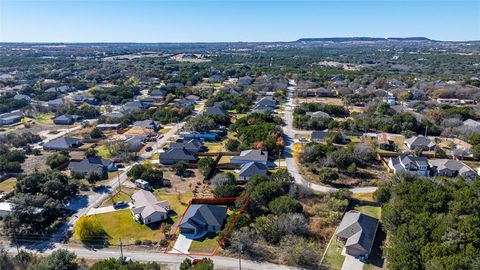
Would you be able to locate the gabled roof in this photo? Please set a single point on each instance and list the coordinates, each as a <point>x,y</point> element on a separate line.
<point>113,114</point>
<point>12,114</point>
<point>318,135</point>
<point>147,124</point>
<point>190,145</point>
<point>215,111</point>
<point>420,141</point>
<point>158,93</point>
<point>178,154</point>
<point>62,143</point>
<point>359,230</point>
<point>145,204</point>
<point>252,155</point>
<point>318,114</point>
<point>57,102</point>
<point>471,123</point>
<point>252,168</point>
<point>267,102</point>
<point>450,164</point>
<point>87,165</point>
<point>66,117</point>
<point>212,215</point>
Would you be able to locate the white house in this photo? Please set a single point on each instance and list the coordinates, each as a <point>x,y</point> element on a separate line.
<point>147,209</point>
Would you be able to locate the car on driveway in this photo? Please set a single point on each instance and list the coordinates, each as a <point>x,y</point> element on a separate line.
<point>120,204</point>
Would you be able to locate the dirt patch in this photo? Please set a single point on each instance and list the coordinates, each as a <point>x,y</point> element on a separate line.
<point>33,163</point>
<point>191,183</point>
<point>324,100</point>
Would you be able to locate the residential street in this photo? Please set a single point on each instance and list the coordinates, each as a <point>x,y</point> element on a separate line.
<point>159,256</point>
<point>290,133</point>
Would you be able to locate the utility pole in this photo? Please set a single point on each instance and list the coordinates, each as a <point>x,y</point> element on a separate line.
<point>121,250</point>
<point>240,256</point>
<point>119,183</point>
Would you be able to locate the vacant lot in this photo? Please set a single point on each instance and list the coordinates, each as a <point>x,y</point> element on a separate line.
<point>323,100</point>
<point>8,185</point>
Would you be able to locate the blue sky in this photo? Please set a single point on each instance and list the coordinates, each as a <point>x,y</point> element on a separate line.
<point>248,20</point>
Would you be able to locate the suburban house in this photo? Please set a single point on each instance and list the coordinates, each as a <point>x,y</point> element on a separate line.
<point>148,124</point>
<point>158,93</point>
<point>66,119</point>
<point>357,231</point>
<point>11,117</point>
<point>63,143</point>
<point>225,105</point>
<point>135,143</point>
<point>318,136</point>
<point>191,145</point>
<point>22,97</point>
<point>318,114</point>
<point>420,143</point>
<point>186,102</point>
<point>174,155</point>
<point>193,98</point>
<point>147,209</point>
<point>201,219</point>
<point>134,106</point>
<point>417,165</point>
<point>91,165</point>
<point>215,111</point>
<point>251,169</point>
<point>112,116</point>
<point>58,102</point>
<point>471,124</point>
<point>451,168</point>
<point>251,156</point>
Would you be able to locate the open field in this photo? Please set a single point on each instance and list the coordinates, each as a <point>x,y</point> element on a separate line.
<point>120,224</point>
<point>324,100</point>
<point>8,185</point>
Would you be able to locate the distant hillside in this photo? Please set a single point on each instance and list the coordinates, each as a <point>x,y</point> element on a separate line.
<point>353,39</point>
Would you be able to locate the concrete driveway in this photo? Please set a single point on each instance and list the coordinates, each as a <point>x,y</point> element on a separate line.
<point>351,263</point>
<point>182,245</point>
<point>106,209</point>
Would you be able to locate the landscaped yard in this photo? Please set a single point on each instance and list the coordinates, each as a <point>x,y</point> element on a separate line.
<point>206,245</point>
<point>373,211</point>
<point>45,118</point>
<point>8,185</point>
<point>178,202</point>
<point>103,151</point>
<point>333,257</point>
<point>120,224</point>
<point>214,147</point>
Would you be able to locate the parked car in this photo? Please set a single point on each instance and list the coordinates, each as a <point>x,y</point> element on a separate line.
<point>196,260</point>
<point>124,259</point>
<point>120,204</point>
<point>148,149</point>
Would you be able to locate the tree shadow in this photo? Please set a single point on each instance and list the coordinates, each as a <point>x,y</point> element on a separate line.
<point>376,255</point>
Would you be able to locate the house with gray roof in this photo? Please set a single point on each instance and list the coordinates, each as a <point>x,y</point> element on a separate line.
<point>135,106</point>
<point>451,168</point>
<point>224,105</point>
<point>66,119</point>
<point>11,117</point>
<point>58,102</point>
<point>149,124</point>
<point>420,143</point>
<point>22,97</point>
<point>201,219</point>
<point>215,111</point>
<point>147,209</point>
<point>251,169</point>
<point>318,114</point>
<point>357,231</point>
<point>191,145</point>
<point>250,156</point>
<point>63,143</point>
<point>174,155</point>
<point>91,165</point>
<point>410,163</point>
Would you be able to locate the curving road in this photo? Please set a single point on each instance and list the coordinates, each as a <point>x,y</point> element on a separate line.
<point>290,133</point>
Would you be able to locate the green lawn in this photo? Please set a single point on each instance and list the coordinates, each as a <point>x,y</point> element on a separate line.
<point>165,130</point>
<point>103,151</point>
<point>120,224</point>
<point>178,202</point>
<point>205,246</point>
<point>214,147</point>
<point>364,196</point>
<point>372,211</point>
<point>45,118</point>
<point>334,258</point>
<point>8,185</point>
<point>124,195</point>
<point>354,139</point>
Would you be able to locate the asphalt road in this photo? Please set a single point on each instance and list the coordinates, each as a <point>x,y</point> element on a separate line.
<point>290,133</point>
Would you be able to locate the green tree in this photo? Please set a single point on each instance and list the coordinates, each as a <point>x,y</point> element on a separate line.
<point>180,168</point>
<point>61,259</point>
<point>57,159</point>
<point>327,175</point>
<point>205,165</point>
<point>96,133</point>
<point>91,153</point>
<point>284,205</point>
<point>232,145</point>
